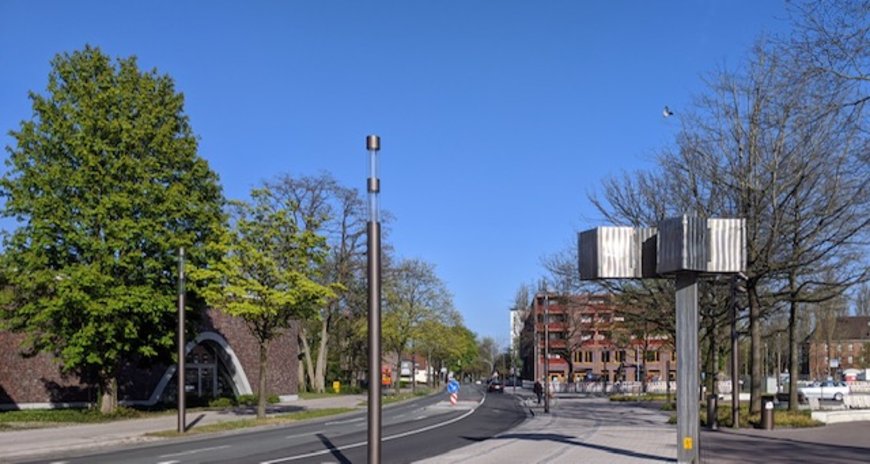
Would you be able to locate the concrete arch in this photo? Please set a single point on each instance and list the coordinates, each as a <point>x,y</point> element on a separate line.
<point>240,380</point>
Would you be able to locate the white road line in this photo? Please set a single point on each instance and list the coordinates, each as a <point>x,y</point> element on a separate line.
<point>345,421</point>
<point>193,451</point>
<point>421,417</point>
<point>304,434</point>
<point>168,462</point>
<point>364,443</point>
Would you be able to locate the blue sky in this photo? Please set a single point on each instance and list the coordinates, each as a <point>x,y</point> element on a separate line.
<point>497,118</point>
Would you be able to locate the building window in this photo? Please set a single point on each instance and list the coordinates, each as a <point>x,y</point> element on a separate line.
<point>673,355</point>
<point>605,356</point>
<point>576,357</point>
<point>850,349</point>
<point>620,356</point>
<point>587,356</point>
<point>652,356</point>
<point>850,360</point>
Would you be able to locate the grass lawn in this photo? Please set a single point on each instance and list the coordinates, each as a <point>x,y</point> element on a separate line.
<point>782,418</point>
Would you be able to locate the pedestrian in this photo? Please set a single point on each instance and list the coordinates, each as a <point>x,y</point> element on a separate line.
<point>539,390</point>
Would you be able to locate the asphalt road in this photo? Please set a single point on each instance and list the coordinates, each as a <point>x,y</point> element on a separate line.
<point>413,430</point>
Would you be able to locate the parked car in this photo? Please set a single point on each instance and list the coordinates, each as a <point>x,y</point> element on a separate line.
<point>828,390</point>
<point>495,387</point>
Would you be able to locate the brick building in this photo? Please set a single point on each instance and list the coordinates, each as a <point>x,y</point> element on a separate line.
<point>589,333</point>
<point>849,348</point>
<point>222,360</point>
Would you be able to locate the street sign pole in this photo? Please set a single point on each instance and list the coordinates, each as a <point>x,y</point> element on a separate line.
<point>688,384</point>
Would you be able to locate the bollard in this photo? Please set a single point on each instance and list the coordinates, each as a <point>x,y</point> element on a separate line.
<point>712,412</point>
<point>767,412</point>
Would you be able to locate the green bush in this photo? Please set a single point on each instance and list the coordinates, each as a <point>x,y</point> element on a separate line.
<point>222,402</point>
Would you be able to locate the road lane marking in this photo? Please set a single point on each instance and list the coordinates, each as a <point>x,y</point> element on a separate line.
<point>304,434</point>
<point>168,462</point>
<point>364,443</point>
<point>345,421</point>
<point>193,451</point>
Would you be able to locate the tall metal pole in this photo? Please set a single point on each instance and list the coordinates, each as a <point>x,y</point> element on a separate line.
<point>373,145</point>
<point>181,343</point>
<point>688,384</point>
<point>735,358</point>
<point>546,351</point>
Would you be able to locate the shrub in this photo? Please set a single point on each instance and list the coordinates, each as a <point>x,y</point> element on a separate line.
<point>222,402</point>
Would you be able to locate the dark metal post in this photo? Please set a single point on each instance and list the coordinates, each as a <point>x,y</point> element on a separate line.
<point>181,343</point>
<point>735,365</point>
<point>688,384</point>
<point>546,351</point>
<point>373,145</point>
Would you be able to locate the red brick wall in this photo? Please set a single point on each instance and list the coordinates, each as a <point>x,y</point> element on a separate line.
<point>38,379</point>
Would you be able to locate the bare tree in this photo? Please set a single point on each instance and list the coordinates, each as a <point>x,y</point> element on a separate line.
<point>338,213</point>
<point>414,294</point>
<point>862,300</point>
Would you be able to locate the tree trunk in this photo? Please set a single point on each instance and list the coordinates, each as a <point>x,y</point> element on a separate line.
<point>398,371</point>
<point>309,367</point>
<point>109,395</point>
<point>320,369</point>
<point>755,344</point>
<point>792,347</point>
<point>300,381</point>
<point>262,394</point>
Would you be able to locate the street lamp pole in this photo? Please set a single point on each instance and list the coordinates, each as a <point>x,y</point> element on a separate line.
<point>181,343</point>
<point>546,350</point>
<point>373,228</point>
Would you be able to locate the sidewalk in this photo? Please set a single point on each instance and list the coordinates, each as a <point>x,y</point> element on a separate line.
<point>32,442</point>
<point>588,430</point>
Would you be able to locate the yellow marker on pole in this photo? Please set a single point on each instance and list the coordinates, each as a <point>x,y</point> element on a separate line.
<point>687,443</point>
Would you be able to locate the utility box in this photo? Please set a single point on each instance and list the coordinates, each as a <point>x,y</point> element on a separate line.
<point>714,246</point>
<point>616,253</point>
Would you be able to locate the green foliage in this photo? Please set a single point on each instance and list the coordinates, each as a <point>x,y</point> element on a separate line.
<point>222,403</point>
<point>66,415</point>
<point>267,274</point>
<point>247,400</point>
<point>105,184</point>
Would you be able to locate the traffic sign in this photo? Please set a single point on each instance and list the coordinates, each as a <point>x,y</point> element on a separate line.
<point>452,386</point>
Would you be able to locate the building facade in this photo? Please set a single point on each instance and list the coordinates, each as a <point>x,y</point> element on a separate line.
<point>222,360</point>
<point>580,338</point>
<point>847,348</point>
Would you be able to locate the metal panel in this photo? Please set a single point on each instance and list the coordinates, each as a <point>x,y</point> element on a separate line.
<point>669,246</point>
<point>727,250</point>
<point>647,237</point>
<point>701,245</point>
<point>609,253</point>
<point>682,245</point>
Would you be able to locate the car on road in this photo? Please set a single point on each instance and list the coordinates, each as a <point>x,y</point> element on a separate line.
<point>828,390</point>
<point>495,387</point>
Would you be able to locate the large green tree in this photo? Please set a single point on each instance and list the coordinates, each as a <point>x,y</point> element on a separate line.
<point>105,184</point>
<point>268,275</point>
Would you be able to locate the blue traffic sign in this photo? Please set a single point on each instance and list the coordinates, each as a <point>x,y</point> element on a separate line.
<point>452,386</point>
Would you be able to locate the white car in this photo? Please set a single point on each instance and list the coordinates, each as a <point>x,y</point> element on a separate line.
<point>828,390</point>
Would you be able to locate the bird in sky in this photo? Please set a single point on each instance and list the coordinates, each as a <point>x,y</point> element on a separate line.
<point>667,112</point>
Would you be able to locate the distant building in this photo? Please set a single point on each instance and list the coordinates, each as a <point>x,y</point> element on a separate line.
<point>590,340</point>
<point>222,360</point>
<point>849,348</point>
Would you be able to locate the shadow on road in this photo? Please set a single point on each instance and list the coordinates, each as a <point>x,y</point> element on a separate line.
<point>342,459</point>
<point>567,439</point>
<point>193,422</point>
